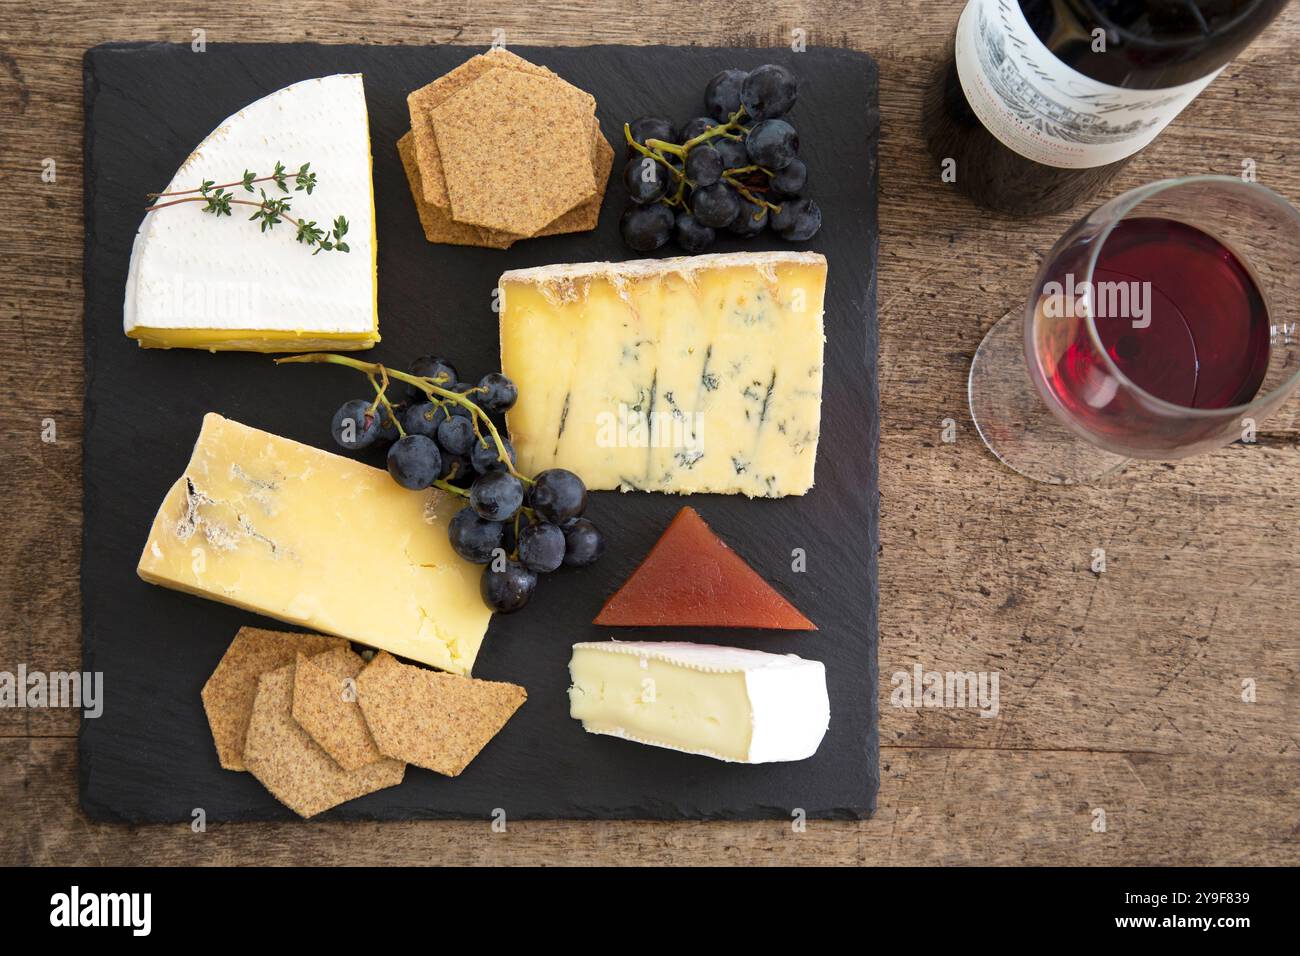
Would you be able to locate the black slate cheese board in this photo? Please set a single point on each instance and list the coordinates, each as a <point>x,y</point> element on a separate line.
<point>149,757</point>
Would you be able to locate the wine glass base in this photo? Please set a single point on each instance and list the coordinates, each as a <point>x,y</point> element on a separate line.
<point>1014,422</point>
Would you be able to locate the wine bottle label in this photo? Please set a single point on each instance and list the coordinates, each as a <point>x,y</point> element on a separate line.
<point>1044,110</point>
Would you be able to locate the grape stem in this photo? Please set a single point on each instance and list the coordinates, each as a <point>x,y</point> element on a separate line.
<point>382,398</point>
<point>445,485</point>
<point>426,385</point>
<point>729,178</point>
<point>531,517</point>
<point>678,196</point>
<point>655,149</point>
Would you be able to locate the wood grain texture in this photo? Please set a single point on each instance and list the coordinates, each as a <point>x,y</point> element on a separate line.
<point>950,806</point>
<point>1119,690</point>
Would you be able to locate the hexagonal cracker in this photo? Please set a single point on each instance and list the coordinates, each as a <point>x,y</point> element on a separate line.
<point>436,221</point>
<point>584,217</point>
<point>420,102</point>
<point>325,705</point>
<point>506,143</point>
<point>229,693</point>
<point>292,766</point>
<point>430,719</point>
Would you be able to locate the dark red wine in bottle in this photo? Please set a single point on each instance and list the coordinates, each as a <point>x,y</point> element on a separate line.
<point>1041,102</point>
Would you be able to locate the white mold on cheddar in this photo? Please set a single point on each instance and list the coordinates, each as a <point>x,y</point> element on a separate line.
<point>318,541</point>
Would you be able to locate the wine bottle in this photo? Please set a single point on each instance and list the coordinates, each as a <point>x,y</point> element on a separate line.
<point>1041,102</point>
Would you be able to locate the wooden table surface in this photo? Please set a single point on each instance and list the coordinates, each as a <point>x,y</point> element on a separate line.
<point>1121,691</point>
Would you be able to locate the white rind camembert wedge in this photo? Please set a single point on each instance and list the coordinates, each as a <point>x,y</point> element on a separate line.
<point>198,280</point>
<point>728,703</point>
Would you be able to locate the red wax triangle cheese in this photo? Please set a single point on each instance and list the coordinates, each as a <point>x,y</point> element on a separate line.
<point>691,578</point>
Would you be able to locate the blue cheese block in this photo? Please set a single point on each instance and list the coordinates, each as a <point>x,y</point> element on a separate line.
<point>686,375</point>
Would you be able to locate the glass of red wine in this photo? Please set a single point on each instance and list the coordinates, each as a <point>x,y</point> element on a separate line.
<point>1163,324</point>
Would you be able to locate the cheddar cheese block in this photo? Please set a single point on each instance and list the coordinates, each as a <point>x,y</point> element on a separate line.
<point>686,375</point>
<point>198,280</point>
<point>320,541</point>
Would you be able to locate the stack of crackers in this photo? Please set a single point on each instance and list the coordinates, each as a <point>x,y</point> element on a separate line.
<point>317,725</point>
<point>500,150</point>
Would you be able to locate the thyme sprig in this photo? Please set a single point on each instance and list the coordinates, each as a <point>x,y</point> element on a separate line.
<point>268,211</point>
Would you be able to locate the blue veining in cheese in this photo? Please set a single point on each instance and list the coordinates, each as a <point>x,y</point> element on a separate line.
<point>699,374</point>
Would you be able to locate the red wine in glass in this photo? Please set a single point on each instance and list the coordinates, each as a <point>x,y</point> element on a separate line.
<point>1163,324</point>
<point>1202,340</point>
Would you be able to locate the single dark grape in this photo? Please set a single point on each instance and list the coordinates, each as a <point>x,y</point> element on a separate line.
<point>457,470</point>
<point>715,206</point>
<point>646,228</point>
<point>797,220</point>
<point>484,457</point>
<point>423,419</point>
<point>645,179</point>
<point>703,165</point>
<point>583,543</point>
<point>650,127</point>
<point>722,95</point>
<point>751,221</point>
<point>791,180</point>
<point>431,366</point>
<point>439,369</point>
<point>541,547</point>
<point>473,538</point>
<point>414,462</point>
<point>696,127</point>
<point>354,427</point>
<point>509,589</point>
<point>455,436</point>
<point>387,425</point>
<point>690,235</point>
<point>558,494</point>
<point>732,151</point>
<point>500,394</point>
<point>772,144</point>
<point>768,92</point>
<point>783,217</point>
<point>496,496</point>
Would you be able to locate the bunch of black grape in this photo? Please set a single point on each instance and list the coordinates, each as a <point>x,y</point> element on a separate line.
<point>738,168</point>
<point>442,433</point>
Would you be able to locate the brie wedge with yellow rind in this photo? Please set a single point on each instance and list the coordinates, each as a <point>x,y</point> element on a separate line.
<point>198,280</point>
